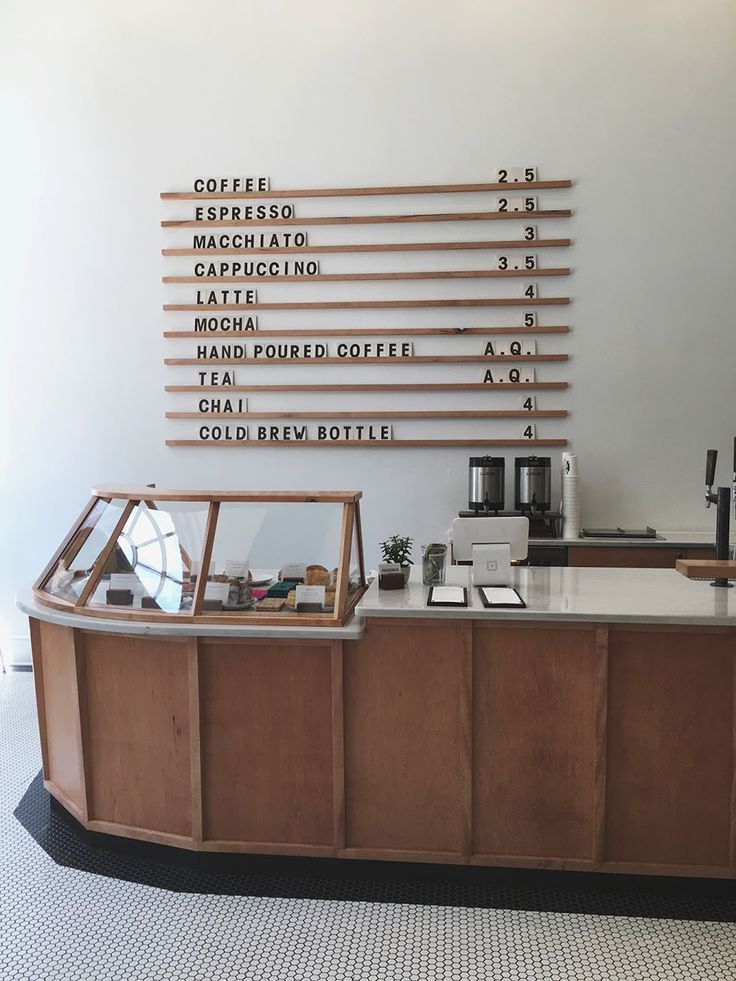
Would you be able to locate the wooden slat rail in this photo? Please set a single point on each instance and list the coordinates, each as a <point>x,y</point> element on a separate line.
<point>410,359</point>
<point>373,304</point>
<point>134,492</point>
<point>376,277</point>
<point>529,216</point>
<point>346,192</point>
<point>398,414</point>
<point>366,332</point>
<point>500,245</point>
<point>385,443</point>
<point>375,387</point>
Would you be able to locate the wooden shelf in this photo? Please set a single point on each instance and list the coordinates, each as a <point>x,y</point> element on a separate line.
<point>410,359</point>
<point>500,245</point>
<point>521,301</point>
<point>529,216</point>
<point>398,414</point>
<point>346,192</point>
<point>376,387</point>
<point>376,277</point>
<point>385,443</point>
<point>366,332</point>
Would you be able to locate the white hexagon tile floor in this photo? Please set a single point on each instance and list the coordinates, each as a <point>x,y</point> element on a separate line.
<point>63,924</point>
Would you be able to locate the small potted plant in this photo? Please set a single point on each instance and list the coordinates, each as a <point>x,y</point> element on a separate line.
<point>397,550</point>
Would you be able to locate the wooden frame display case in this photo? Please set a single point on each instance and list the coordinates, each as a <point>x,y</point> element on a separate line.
<point>140,553</point>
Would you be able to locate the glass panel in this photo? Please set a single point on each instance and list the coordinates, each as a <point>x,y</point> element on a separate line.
<point>153,565</point>
<point>355,580</point>
<point>262,551</point>
<point>70,576</point>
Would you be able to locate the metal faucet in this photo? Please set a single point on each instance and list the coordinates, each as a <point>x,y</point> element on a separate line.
<point>722,500</point>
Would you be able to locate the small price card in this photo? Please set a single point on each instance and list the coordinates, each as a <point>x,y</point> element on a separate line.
<point>310,596</point>
<point>236,569</point>
<point>217,591</point>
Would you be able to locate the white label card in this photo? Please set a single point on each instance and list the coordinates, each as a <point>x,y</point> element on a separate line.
<point>516,175</point>
<point>515,347</point>
<point>529,403</point>
<point>236,568</point>
<point>310,594</point>
<point>125,580</point>
<point>530,290</point>
<point>385,568</point>
<point>217,591</point>
<point>530,431</point>
<point>516,262</point>
<point>511,376</point>
<point>294,570</point>
<point>518,203</point>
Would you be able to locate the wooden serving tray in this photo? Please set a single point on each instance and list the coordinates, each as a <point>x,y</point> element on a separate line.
<point>707,568</point>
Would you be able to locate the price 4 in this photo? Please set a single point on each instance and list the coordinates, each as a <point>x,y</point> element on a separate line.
<point>529,432</point>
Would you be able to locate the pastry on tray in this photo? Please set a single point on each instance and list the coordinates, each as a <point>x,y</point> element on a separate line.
<point>271,604</point>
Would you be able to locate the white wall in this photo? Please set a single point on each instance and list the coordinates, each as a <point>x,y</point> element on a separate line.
<point>105,105</point>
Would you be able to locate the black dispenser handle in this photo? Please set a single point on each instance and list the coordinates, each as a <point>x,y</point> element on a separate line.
<point>710,467</point>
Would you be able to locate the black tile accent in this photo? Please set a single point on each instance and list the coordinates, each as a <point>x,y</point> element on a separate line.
<point>179,870</point>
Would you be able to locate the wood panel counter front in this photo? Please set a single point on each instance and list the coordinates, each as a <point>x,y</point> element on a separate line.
<point>593,730</point>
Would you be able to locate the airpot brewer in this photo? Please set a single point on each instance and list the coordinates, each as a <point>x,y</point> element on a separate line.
<point>486,479</point>
<point>532,483</point>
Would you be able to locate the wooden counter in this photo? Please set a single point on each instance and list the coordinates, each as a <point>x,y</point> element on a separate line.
<point>551,740</point>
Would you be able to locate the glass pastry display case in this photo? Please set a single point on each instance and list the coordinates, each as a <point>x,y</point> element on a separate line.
<point>211,556</point>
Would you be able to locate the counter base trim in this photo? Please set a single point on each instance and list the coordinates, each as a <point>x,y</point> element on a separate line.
<point>67,843</point>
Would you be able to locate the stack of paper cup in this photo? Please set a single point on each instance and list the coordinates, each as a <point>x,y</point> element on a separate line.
<point>570,496</point>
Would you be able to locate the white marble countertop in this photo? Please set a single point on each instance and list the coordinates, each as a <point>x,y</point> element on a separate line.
<point>27,602</point>
<point>667,539</point>
<point>567,594</point>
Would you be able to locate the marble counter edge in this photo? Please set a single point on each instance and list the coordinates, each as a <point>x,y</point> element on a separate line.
<point>539,616</point>
<point>27,604</point>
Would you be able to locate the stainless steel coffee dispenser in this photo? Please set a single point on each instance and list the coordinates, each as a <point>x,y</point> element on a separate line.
<point>532,483</point>
<point>486,480</point>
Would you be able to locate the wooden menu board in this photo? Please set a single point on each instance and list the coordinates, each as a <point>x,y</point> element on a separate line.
<point>277,345</point>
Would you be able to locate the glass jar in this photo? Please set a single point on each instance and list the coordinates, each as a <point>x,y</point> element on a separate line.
<point>434,560</point>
